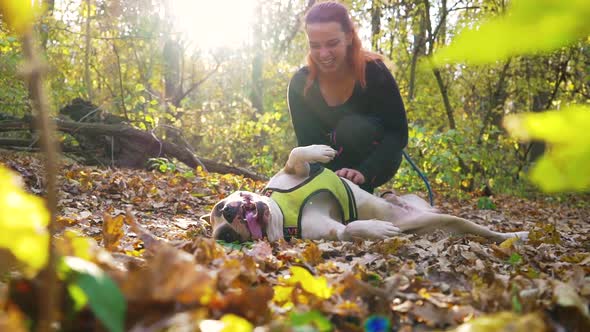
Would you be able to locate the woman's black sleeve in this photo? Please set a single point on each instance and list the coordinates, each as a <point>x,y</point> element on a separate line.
<point>386,105</point>
<point>305,123</point>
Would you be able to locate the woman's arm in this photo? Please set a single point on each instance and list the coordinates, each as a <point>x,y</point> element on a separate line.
<point>305,123</point>
<point>385,104</point>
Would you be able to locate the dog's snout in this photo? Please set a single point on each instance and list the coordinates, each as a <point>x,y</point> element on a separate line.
<point>230,211</point>
<point>227,234</point>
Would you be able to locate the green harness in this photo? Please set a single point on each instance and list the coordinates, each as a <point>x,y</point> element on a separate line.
<point>291,201</point>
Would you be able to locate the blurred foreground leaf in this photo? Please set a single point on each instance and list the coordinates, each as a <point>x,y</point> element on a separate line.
<point>233,323</point>
<point>564,166</point>
<point>102,294</point>
<point>300,279</point>
<point>566,296</point>
<point>529,26</point>
<point>18,14</point>
<point>313,318</point>
<point>23,223</point>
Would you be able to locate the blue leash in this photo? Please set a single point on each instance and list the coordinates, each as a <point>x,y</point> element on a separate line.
<point>422,176</point>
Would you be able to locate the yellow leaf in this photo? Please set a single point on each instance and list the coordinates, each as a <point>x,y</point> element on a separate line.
<point>528,26</point>
<point>564,166</point>
<point>18,14</point>
<point>509,243</point>
<point>283,296</point>
<point>23,223</point>
<point>74,244</point>
<point>233,323</point>
<point>317,286</point>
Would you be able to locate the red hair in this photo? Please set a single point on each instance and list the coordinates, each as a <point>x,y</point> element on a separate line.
<point>332,11</point>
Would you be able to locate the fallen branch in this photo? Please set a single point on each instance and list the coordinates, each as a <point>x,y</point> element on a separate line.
<point>133,146</point>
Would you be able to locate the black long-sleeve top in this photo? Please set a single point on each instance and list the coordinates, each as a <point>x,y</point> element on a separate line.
<point>313,119</point>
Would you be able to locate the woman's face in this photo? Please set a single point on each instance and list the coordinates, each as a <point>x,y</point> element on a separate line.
<point>328,46</point>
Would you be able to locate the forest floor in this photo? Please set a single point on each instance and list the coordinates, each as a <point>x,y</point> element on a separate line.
<point>180,279</point>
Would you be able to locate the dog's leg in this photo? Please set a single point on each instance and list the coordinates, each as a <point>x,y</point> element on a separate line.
<point>429,222</point>
<point>415,217</point>
<point>330,229</point>
<point>371,229</point>
<point>300,157</point>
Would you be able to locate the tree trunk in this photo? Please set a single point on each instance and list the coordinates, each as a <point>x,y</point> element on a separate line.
<point>44,33</point>
<point>445,96</point>
<point>375,24</point>
<point>256,97</point>
<point>432,37</point>
<point>87,38</point>
<point>417,51</point>
<point>172,55</point>
<point>497,99</point>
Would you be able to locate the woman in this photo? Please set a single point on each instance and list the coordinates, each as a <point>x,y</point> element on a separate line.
<point>346,98</point>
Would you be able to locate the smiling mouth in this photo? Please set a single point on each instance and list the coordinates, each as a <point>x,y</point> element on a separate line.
<point>253,215</point>
<point>328,63</point>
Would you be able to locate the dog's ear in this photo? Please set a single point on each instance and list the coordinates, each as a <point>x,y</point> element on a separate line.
<point>206,218</point>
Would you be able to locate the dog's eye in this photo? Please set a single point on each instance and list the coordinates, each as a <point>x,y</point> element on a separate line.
<point>219,206</point>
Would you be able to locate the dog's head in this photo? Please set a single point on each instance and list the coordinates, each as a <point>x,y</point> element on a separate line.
<point>242,216</point>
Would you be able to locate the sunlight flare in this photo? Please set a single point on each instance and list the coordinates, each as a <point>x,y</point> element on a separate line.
<point>214,24</point>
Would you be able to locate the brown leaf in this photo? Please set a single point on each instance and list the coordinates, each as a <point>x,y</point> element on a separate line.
<point>112,231</point>
<point>312,255</point>
<point>12,319</point>
<point>248,302</point>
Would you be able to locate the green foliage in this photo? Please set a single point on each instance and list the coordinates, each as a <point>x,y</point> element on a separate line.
<point>163,165</point>
<point>236,245</point>
<point>529,26</point>
<point>310,321</point>
<point>87,283</point>
<point>485,203</point>
<point>13,95</point>
<point>248,138</point>
<point>515,259</point>
<point>516,303</point>
<point>456,159</point>
<point>565,166</point>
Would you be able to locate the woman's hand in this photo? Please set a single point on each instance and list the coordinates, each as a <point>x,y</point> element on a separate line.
<point>351,174</point>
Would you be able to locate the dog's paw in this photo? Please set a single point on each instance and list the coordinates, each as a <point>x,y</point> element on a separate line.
<point>505,236</point>
<point>319,153</point>
<point>371,230</point>
<point>521,235</point>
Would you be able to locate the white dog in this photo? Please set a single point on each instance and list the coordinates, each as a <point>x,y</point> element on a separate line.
<point>308,201</point>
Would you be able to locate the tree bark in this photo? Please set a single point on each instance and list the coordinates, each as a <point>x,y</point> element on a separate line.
<point>44,33</point>
<point>417,51</point>
<point>375,24</point>
<point>87,79</point>
<point>432,37</point>
<point>445,96</point>
<point>497,99</point>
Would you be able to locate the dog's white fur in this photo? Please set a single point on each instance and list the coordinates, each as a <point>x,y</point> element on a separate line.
<point>378,218</point>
